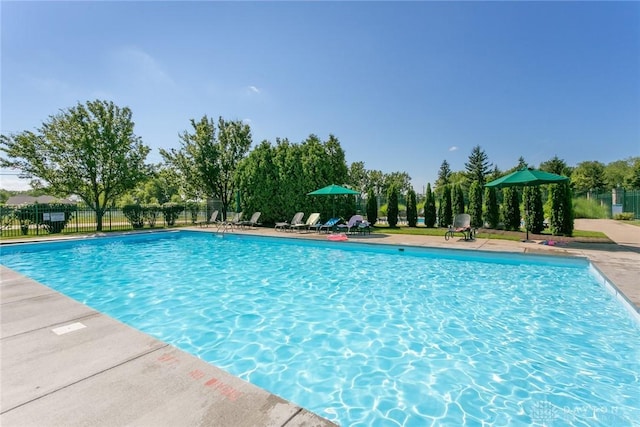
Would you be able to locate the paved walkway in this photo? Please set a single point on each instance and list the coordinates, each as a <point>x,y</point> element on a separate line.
<point>623,234</point>
<point>63,363</point>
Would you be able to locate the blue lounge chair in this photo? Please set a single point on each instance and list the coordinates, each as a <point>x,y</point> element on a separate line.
<point>329,225</point>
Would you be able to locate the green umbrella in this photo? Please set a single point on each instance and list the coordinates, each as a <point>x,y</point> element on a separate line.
<point>332,190</point>
<point>527,177</point>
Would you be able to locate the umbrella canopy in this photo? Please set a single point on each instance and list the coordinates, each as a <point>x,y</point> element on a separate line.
<point>527,177</point>
<point>332,190</point>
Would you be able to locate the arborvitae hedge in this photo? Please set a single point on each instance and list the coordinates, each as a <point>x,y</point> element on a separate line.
<point>475,204</point>
<point>492,211</point>
<point>447,210</point>
<point>392,207</point>
<point>511,209</point>
<point>412,209</point>
<point>561,210</point>
<point>429,208</point>
<point>534,212</point>
<point>457,197</point>
<point>372,207</point>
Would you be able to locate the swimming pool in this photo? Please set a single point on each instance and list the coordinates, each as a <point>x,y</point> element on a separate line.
<point>369,335</point>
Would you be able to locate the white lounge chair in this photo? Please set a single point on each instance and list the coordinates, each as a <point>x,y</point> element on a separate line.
<point>252,222</point>
<point>297,219</point>
<point>461,224</point>
<point>213,219</point>
<point>313,219</point>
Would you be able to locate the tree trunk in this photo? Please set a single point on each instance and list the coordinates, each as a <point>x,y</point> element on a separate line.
<point>99,215</point>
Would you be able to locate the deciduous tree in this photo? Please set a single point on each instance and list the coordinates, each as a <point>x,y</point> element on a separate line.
<point>207,162</point>
<point>89,150</point>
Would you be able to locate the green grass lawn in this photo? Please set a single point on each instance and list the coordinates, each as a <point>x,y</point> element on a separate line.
<point>482,234</point>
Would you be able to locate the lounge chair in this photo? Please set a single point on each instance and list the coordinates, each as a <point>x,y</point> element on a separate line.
<point>329,225</point>
<point>311,222</point>
<point>353,225</point>
<point>213,219</point>
<point>461,224</point>
<point>252,222</point>
<point>229,223</point>
<point>284,225</point>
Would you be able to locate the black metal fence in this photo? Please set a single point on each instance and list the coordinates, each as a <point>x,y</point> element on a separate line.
<point>46,220</point>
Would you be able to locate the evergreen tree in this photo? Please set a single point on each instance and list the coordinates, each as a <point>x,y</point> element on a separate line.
<point>522,164</point>
<point>444,177</point>
<point>372,207</point>
<point>478,166</point>
<point>561,210</point>
<point>492,213</point>
<point>429,208</point>
<point>446,219</point>
<point>534,213</point>
<point>392,207</point>
<point>567,222</point>
<point>511,209</point>
<point>457,197</point>
<point>412,209</point>
<point>557,166</point>
<point>475,204</point>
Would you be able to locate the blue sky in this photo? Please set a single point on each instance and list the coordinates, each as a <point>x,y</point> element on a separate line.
<point>402,85</point>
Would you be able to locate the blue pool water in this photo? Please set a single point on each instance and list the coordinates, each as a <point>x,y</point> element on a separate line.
<point>370,335</point>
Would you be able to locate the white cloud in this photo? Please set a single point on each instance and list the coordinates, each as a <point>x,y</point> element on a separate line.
<point>453,148</point>
<point>253,89</point>
<point>133,61</point>
<point>246,121</point>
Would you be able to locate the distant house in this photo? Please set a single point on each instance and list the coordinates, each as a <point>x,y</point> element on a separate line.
<point>23,199</point>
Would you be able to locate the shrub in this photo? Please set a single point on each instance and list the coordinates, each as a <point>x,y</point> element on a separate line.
<point>372,207</point>
<point>54,216</point>
<point>446,213</point>
<point>624,216</point>
<point>588,208</point>
<point>457,200</point>
<point>561,223</point>
<point>511,209</point>
<point>532,199</point>
<point>492,211</point>
<point>412,209</point>
<point>134,214</point>
<point>194,209</point>
<point>171,212</point>
<point>150,213</point>
<point>475,204</point>
<point>392,207</point>
<point>429,208</point>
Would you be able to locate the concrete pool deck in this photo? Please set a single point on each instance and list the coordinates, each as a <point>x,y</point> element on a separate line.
<point>63,363</point>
